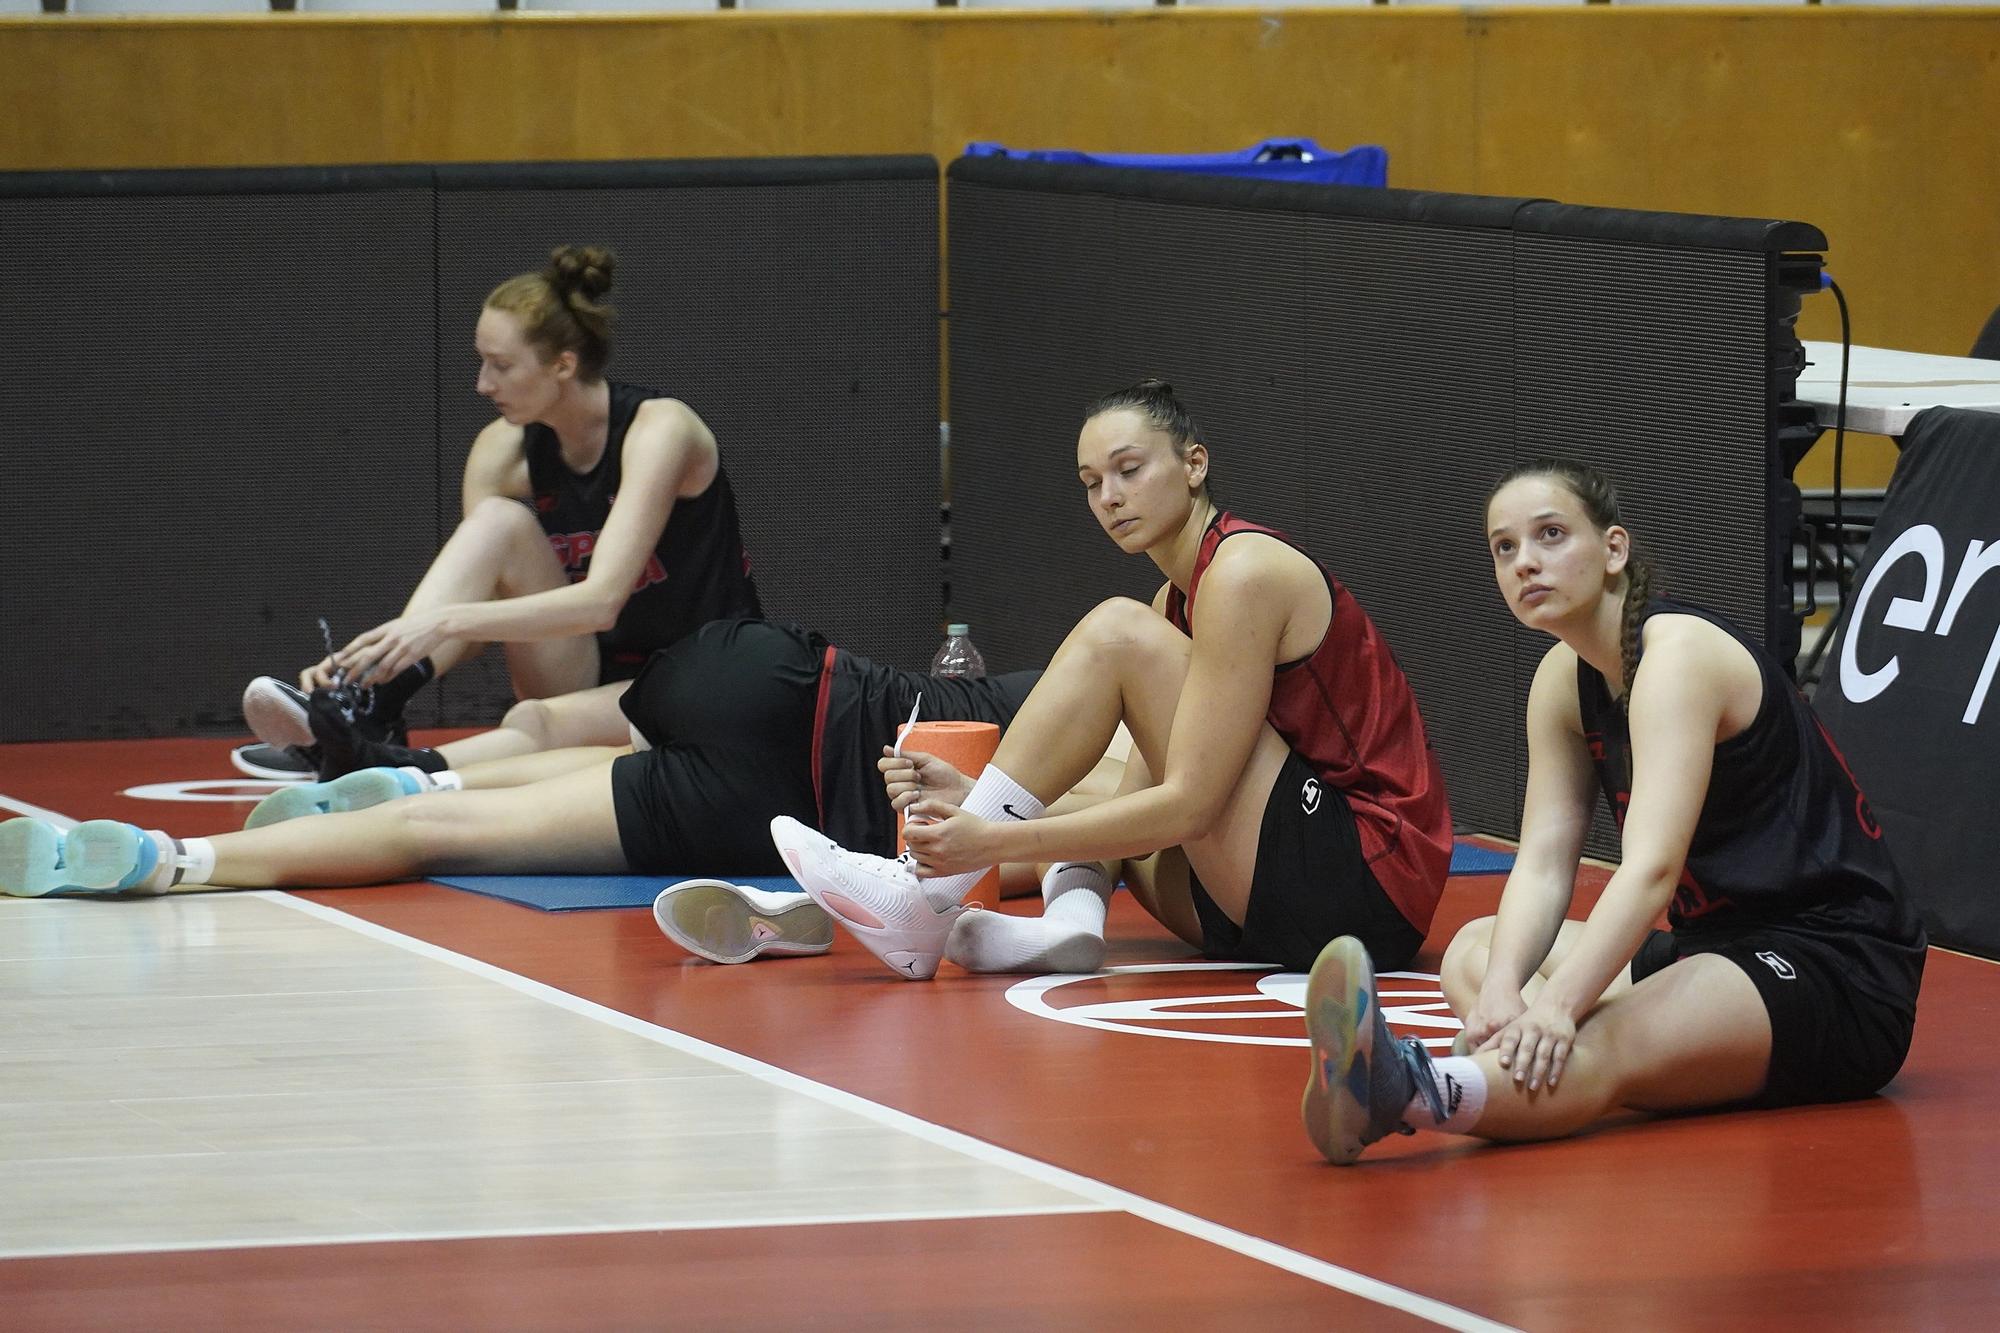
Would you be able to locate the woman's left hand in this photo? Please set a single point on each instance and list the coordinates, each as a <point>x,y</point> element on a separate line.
<point>386,651</point>
<point>1536,1045</point>
<point>945,840</point>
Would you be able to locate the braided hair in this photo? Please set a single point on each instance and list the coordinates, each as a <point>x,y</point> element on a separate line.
<point>1599,497</point>
<point>561,308</point>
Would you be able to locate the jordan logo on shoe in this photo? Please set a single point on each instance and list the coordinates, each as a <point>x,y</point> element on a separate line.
<point>1012,813</point>
<point>910,966</point>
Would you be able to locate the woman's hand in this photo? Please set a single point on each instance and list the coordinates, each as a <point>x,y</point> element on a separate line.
<point>916,776</point>
<point>321,675</point>
<point>1536,1045</point>
<point>1496,1007</point>
<point>947,840</point>
<point>386,651</point>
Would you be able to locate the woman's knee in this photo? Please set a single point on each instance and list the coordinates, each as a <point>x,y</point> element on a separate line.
<point>497,516</point>
<point>533,718</point>
<point>1465,960</point>
<point>1122,626</point>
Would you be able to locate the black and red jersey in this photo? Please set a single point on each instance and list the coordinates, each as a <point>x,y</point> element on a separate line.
<point>1348,711</point>
<point>1784,837</point>
<point>697,573</point>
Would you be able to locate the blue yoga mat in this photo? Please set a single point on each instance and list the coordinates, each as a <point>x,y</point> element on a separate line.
<point>572,893</point>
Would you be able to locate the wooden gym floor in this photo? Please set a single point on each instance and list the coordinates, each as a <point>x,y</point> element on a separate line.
<point>411,1107</point>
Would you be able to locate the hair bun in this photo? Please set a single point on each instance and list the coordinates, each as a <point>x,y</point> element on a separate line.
<point>584,270</point>
<point>1154,384</point>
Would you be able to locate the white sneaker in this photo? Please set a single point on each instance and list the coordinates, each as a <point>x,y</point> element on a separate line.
<point>277,712</point>
<point>734,923</point>
<point>879,900</point>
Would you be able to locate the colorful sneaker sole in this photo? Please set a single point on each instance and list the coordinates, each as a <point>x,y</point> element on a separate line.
<point>99,857</point>
<point>352,791</point>
<point>1340,1004</point>
<point>728,923</point>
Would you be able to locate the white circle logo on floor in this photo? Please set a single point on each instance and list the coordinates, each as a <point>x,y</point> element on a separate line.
<point>1248,1004</point>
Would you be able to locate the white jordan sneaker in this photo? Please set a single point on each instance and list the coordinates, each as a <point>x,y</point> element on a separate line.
<point>734,923</point>
<point>879,900</point>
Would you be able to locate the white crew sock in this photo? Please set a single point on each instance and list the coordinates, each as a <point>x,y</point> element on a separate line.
<point>443,780</point>
<point>1462,1085</point>
<point>997,797</point>
<point>1067,937</point>
<point>180,861</point>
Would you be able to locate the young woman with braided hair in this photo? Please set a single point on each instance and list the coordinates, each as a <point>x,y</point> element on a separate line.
<point>598,525</point>
<point>1790,970</point>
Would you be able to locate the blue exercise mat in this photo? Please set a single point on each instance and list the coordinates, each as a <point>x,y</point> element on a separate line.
<point>1469,858</point>
<point>573,893</point>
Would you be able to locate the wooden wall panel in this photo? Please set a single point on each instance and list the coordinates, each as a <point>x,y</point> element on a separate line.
<point>1880,126</point>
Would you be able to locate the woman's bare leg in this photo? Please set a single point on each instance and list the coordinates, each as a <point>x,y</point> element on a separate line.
<point>1125,662</point>
<point>581,718</point>
<point>565,824</point>
<point>525,769</point>
<point>1694,1034</point>
<point>497,551</point>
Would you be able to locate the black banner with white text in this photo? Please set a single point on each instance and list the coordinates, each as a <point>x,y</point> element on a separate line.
<point>1908,690</point>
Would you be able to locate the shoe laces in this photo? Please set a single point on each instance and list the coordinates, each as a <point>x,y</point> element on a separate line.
<point>1416,1058</point>
<point>352,700</point>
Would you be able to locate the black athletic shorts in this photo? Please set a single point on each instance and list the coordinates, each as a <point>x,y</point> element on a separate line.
<point>1311,885</point>
<point>728,712</point>
<point>1831,1040</point>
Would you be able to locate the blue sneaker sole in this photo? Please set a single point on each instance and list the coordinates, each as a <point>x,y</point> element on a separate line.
<point>351,791</point>
<point>102,856</point>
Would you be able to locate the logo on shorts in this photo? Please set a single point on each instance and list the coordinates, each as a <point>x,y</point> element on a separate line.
<point>1309,795</point>
<point>1785,970</point>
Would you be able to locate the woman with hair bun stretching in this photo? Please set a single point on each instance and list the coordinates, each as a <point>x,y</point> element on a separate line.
<point>1790,968</point>
<point>598,525</point>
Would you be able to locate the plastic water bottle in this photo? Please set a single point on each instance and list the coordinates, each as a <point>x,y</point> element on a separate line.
<point>958,658</point>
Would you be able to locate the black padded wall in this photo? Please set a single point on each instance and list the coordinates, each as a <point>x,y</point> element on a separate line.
<point>1364,363</point>
<point>261,393</point>
<point>213,388</point>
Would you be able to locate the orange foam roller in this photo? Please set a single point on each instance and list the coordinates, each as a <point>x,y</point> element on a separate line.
<point>966,746</point>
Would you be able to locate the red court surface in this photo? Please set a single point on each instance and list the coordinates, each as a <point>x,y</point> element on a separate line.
<point>1882,1214</point>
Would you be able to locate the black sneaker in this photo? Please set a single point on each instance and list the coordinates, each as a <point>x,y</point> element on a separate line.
<point>280,714</point>
<point>344,743</point>
<point>276,763</point>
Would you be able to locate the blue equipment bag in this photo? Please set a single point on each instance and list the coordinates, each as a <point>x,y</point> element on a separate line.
<point>1272,160</point>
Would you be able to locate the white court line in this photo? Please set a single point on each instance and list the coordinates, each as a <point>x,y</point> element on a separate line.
<point>63,822</point>
<point>1104,1196</point>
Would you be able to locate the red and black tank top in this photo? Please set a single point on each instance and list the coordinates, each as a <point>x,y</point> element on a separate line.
<point>1347,710</point>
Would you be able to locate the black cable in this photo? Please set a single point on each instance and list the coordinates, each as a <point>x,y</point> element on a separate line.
<point>1811,673</point>
<point>1840,579</point>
